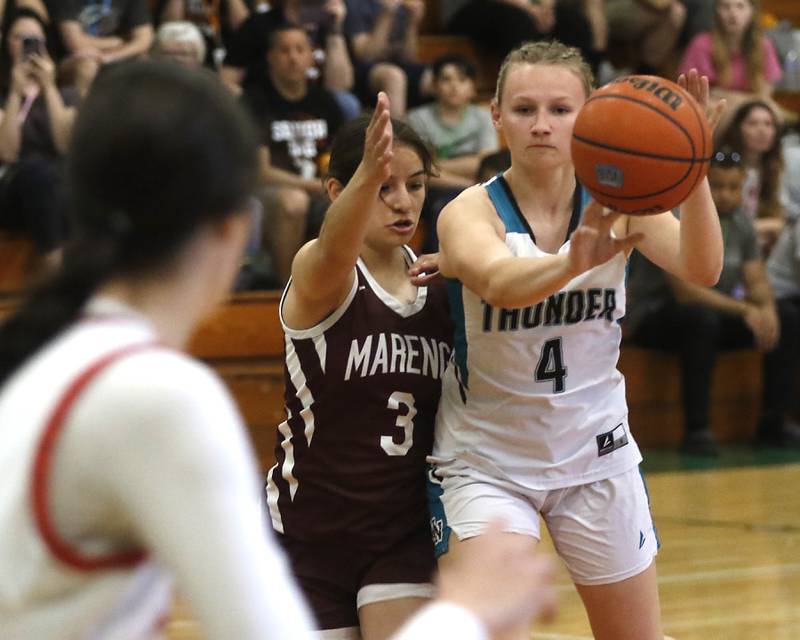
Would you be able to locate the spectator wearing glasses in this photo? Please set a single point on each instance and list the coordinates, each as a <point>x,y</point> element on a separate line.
<point>698,322</point>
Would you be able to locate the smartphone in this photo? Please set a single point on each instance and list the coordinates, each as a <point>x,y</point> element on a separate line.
<point>32,45</point>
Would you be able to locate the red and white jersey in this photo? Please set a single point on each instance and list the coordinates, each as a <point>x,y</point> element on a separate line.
<point>51,587</point>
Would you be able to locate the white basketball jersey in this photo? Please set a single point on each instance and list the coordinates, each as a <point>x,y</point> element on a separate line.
<point>49,588</point>
<point>532,396</point>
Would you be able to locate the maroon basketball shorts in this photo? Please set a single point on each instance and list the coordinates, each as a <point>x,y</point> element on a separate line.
<point>338,577</point>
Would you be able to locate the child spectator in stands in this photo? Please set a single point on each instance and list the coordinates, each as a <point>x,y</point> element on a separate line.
<point>94,33</point>
<point>216,20</point>
<point>35,126</point>
<point>738,59</point>
<point>754,133</point>
<point>298,120</point>
<point>459,132</point>
<point>332,68</point>
<point>499,26</point>
<point>384,37</point>
<point>180,41</point>
<point>697,322</point>
<point>649,28</point>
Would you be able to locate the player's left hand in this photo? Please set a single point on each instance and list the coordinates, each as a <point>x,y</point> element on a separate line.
<point>593,244</point>
<point>698,87</point>
<point>424,270</point>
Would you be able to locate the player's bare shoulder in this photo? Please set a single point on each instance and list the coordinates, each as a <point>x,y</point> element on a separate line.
<point>472,205</point>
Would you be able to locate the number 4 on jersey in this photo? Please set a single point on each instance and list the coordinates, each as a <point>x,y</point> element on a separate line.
<point>551,365</point>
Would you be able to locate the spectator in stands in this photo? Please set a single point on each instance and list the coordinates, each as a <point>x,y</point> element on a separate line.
<point>94,33</point>
<point>384,40</point>
<point>783,270</point>
<point>459,132</point>
<point>7,9</point>
<point>499,26</point>
<point>216,19</point>
<point>738,59</point>
<point>180,41</point>
<point>647,29</point>
<point>493,164</point>
<point>35,126</point>
<point>298,119</point>
<point>754,132</point>
<point>697,322</point>
<point>332,68</point>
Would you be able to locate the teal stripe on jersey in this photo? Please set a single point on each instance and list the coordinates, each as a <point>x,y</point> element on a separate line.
<point>506,209</point>
<point>455,292</point>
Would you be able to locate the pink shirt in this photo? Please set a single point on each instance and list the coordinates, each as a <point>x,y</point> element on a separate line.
<point>698,56</point>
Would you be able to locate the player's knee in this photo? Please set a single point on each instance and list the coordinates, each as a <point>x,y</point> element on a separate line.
<point>387,75</point>
<point>293,204</point>
<point>677,14</point>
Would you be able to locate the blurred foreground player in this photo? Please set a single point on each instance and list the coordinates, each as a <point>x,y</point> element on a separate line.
<point>124,462</point>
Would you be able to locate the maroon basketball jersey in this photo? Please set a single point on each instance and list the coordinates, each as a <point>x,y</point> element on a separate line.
<point>362,389</point>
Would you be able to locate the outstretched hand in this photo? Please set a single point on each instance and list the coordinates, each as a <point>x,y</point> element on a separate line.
<point>592,243</point>
<point>378,142</point>
<point>698,88</point>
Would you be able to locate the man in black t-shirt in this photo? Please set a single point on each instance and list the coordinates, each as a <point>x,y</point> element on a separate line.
<point>94,33</point>
<point>332,66</point>
<point>298,120</point>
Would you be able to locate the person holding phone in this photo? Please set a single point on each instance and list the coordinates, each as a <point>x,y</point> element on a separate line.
<point>35,124</point>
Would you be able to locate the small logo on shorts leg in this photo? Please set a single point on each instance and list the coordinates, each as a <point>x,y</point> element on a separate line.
<point>437,530</point>
<point>612,440</point>
<point>641,539</point>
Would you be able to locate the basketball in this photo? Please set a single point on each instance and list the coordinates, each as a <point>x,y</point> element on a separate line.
<point>641,144</point>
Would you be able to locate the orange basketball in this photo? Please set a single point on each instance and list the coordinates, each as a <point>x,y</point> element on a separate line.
<point>641,144</point>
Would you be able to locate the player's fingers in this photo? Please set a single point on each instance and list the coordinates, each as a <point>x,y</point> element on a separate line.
<point>424,279</point>
<point>629,242</point>
<point>716,113</point>
<point>592,214</point>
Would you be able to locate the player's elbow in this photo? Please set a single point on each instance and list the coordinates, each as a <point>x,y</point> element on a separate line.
<point>705,275</point>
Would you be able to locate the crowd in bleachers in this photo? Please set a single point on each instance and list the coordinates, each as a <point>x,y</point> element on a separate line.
<point>304,67</point>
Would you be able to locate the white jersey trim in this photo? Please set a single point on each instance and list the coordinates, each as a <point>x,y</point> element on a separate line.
<point>321,327</point>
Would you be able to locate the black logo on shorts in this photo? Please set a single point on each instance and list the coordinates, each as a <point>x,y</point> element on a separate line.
<point>612,440</point>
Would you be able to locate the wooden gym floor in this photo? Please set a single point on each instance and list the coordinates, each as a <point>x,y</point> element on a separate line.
<point>729,566</point>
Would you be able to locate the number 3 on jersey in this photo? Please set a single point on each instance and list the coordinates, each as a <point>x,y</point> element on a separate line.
<point>551,365</point>
<point>404,421</point>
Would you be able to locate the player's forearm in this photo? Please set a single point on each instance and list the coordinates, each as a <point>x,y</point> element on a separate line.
<point>700,238</point>
<point>514,282</point>
<point>346,220</point>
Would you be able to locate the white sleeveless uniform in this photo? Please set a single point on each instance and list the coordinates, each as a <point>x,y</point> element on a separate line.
<point>533,396</point>
<point>48,588</point>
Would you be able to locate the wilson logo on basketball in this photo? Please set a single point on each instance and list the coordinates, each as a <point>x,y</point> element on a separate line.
<point>663,93</point>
